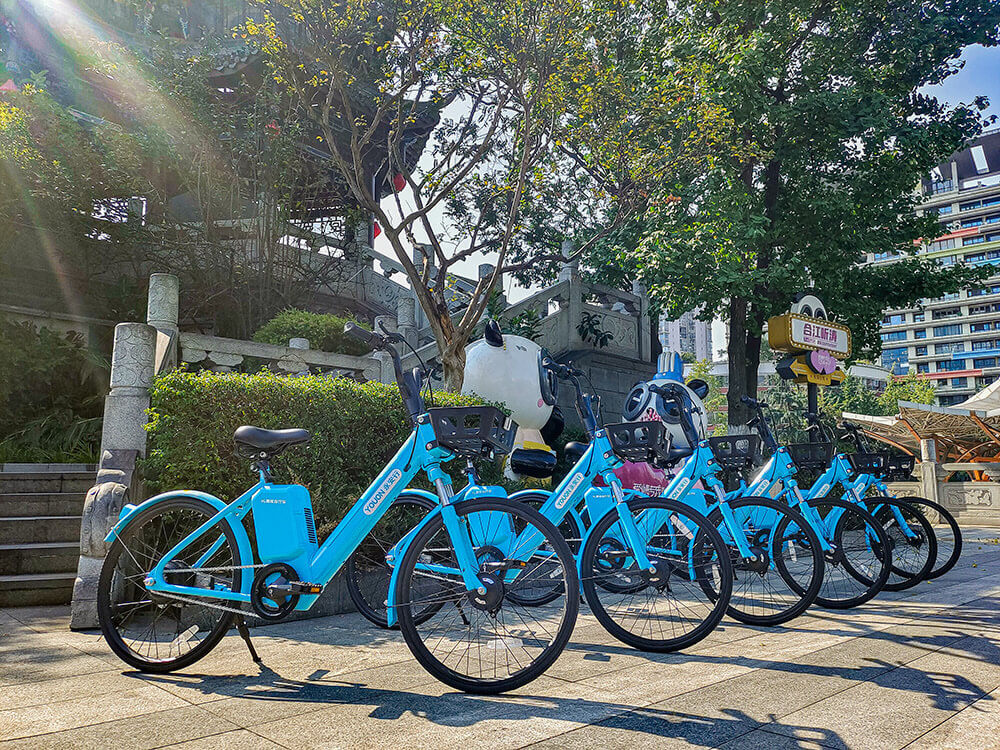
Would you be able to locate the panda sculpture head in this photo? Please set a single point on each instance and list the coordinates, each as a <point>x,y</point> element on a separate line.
<point>642,404</point>
<point>507,368</point>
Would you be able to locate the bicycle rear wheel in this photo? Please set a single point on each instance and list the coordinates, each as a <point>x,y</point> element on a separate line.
<point>152,632</point>
<point>488,643</point>
<point>367,571</point>
<point>677,604</point>
<point>784,575</point>
<point>857,566</point>
<point>912,541</point>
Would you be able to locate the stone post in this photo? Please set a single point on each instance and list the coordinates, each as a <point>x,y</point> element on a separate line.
<point>645,325</point>
<point>123,439</point>
<point>928,469</point>
<point>161,313</point>
<point>569,337</point>
<point>406,318</point>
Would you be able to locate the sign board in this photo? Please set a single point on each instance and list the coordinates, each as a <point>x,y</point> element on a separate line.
<point>818,368</point>
<point>794,333</point>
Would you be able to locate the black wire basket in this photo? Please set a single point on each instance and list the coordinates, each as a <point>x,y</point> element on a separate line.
<point>638,441</point>
<point>867,463</point>
<point>897,468</point>
<point>735,452</point>
<point>472,431</point>
<point>810,456</point>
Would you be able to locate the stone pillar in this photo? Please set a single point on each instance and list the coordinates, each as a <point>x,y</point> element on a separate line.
<point>298,343</point>
<point>928,469</point>
<point>645,329</point>
<point>406,318</point>
<point>123,439</point>
<point>161,313</point>
<point>570,268</point>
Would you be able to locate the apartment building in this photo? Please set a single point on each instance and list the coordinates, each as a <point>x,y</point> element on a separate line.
<point>955,340</point>
<point>688,335</point>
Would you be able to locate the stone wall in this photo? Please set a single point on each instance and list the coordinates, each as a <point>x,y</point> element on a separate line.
<point>612,375</point>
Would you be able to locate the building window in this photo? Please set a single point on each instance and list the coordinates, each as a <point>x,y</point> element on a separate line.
<point>918,317</point>
<point>920,333</point>
<point>977,240</point>
<point>981,346</point>
<point>980,327</point>
<point>893,320</point>
<point>993,219</point>
<point>985,362</point>
<point>995,289</point>
<point>951,399</point>
<point>977,222</point>
<point>894,336</point>
<point>921,351</point>
<point>941,186</point>
<point>895,360</point>
<point>942,209</point>
<point>951,312</point>
<point>984,380</point>
<point>923,367</point>
<point>952,330</point>
<point>951,365</point>
<point>958,382</point>
<point>956,346</point>
<point>970,205</point>
<point>947,244</point>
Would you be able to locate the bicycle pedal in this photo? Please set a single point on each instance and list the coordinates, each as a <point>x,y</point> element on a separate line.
<point>301,587</point>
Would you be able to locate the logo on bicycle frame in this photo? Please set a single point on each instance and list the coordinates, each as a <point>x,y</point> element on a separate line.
<point>574,484</point>
<point>383,491</point>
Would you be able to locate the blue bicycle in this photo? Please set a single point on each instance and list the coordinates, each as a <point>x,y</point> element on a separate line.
<point>181,569</point>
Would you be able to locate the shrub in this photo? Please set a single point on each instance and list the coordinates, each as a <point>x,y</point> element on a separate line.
<point>325,332</point>
<point>51,395</point>
<point>356,428</point>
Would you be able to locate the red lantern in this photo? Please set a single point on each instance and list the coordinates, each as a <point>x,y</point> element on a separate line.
<point>398,182</point>
<point>378,229</point>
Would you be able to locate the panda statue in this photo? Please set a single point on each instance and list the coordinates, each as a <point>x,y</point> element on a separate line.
<point>506,368</point>
<point>641,404</point>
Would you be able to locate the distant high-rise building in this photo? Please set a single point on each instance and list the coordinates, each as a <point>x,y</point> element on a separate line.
<point>688,335</point>
<point>954,340</point>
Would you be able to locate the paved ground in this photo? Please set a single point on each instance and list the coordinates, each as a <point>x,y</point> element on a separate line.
<point>919,669</point>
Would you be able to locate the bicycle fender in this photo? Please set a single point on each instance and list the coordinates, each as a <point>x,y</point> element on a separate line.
<point>390,613</point>
<point>129,510</point>
<point>532,491</point>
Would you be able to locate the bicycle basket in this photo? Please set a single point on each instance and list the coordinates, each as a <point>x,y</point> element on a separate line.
<point>811,456</point>
<point>897,468</point>
<point>470,431</point>
<point>866,463</point>
<point>735,452</point>
<point>637,441</point>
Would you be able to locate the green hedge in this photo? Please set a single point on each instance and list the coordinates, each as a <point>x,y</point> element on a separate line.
<point>325,332</point>
<point>356,429</point>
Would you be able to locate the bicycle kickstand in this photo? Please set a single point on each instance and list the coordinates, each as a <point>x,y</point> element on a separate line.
<point>244,632</point>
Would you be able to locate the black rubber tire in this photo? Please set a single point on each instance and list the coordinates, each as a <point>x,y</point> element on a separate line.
<point>377,580</point>
<point>557,642</point>
<point>942,563</point>
<point>901,578</point>
<point>568,526</point>
<point>873,583</point>
<point>707,538</point>
<point>104,616</point>
<point>786,519</point>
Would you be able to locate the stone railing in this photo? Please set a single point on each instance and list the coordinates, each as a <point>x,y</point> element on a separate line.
<point>222,355</point>
<point>972,503</point>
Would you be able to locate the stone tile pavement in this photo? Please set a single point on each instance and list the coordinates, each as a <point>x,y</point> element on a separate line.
<point>919,669</point>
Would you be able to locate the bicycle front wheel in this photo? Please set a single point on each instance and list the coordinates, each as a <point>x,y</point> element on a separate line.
<point>675,603</point>
<point>912,541</point>
<point>368,572</point>
<point>857,565</point>
<point>488,642</point>
<point>784,572</point>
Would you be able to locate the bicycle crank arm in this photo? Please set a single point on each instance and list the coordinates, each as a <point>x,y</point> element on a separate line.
<point>292,587</point>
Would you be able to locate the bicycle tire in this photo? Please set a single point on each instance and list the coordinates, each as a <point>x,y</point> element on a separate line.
<point>705,542</point>
<point>784,528</point>
<point>368,578</point>
<point>550,644</point>
<point>904,573</point>
<point>943,563</point>
<point>106,583</point>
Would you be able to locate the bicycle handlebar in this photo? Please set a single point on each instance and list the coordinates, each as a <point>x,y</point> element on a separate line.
<point>409,383</point>
<point>687,425</point>
<point>584,401</point>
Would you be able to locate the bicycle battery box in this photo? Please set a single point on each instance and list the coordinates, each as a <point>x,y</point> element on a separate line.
<point>283,520</point>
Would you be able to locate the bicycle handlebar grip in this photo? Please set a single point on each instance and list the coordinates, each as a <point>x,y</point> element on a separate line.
<point>747,401</point>
<point>355,331</point>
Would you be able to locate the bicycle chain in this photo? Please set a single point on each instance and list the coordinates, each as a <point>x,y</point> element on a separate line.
<point>201,603</point>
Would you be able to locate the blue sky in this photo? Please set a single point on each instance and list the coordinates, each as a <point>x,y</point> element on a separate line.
<point>980,76</point>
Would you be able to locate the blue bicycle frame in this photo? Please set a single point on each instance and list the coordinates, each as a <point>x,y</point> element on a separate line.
<point>315,562</point>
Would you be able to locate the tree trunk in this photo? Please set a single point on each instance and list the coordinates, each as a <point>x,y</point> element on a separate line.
<point>453,361</point>
<point>737,413</point>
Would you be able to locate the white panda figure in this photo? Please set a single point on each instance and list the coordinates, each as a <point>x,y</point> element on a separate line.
<point>506,368</point>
